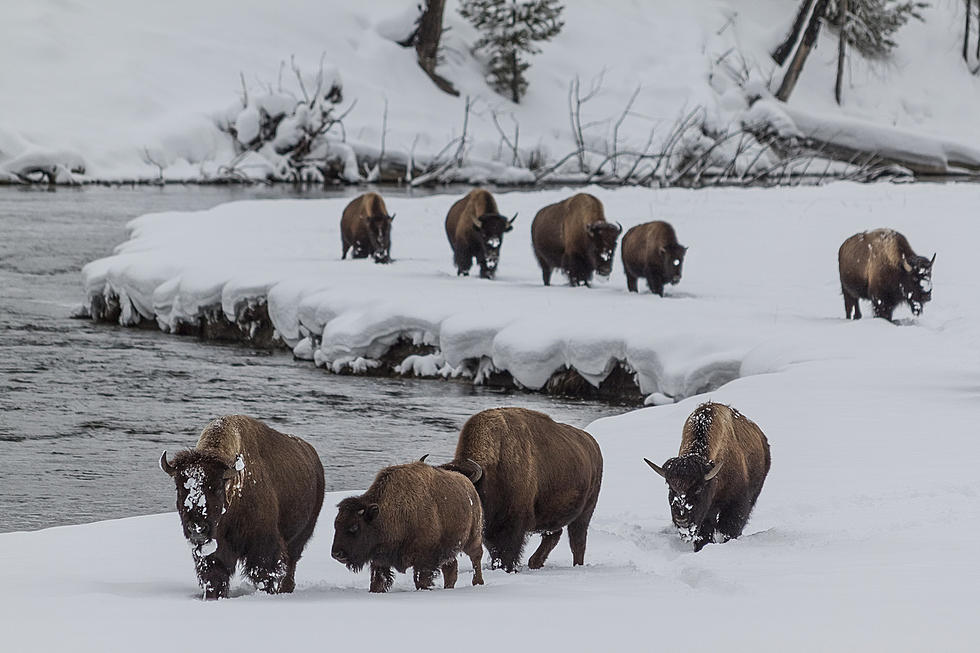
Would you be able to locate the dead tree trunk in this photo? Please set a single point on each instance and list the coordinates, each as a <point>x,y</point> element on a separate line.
<point>966,33</point>
<point>841,50</point>
<point>782,50</point>
<point>426,39</point>
<point>803,50</point>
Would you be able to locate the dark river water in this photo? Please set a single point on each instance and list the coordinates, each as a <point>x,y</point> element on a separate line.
<point>86,409</point>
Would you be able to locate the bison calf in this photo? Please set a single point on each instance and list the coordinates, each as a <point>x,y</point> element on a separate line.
<point>533,475</point>
<point>573,235</point>
<point>366,226</point>
<point>880,265</point>
<point>247,493</point>
<point>717,475</point>
<point>476,231</point>
<point>650,251</point>
<point>414,516</point>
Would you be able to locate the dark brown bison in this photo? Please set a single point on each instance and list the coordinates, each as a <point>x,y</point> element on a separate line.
<point>880,265</point>
<point>366,226</point>
<point>415,516</point>
<point>476,230</point>
<point>247,493</point>
<point>573,235</point>
<point>533,475</point>
<point>650,251</point>
<point>717,475</point>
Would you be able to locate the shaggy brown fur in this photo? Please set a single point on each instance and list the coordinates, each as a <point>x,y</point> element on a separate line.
<point>538,476</point>
<point>650,251</point>
<point>415,516</point>
<point>717,475</point>
<point>573,235</point>
<point>476,230</point>
<point>366,226</point>
<point>880,266</point>
<point>247,493</point>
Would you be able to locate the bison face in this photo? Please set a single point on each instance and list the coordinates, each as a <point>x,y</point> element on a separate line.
<point>356,535</point>
<point>490,229</point>
<point>602,237</point>
<point>673,262</point>
<point>379,232</point>
<point>690,491</point>
<point>205,486</point>
<point>918,282</point>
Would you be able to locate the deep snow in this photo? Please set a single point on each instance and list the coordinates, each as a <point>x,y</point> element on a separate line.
<point>117,87</point>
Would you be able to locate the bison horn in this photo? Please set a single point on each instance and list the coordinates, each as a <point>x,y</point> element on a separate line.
<point>511,221</point>
<point>165,466</point>
<point>477,222</point>
<point>655,467</point>
<point>391,217</point>
<point>932,260</point>
<point>714,471</point>
<point>422,459</point>
<point>905,265</point>
<point>619,228</point>
<point>477,472</point>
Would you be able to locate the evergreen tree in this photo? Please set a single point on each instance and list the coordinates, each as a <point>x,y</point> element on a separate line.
<point>508,31</point>
<point>870,25</point>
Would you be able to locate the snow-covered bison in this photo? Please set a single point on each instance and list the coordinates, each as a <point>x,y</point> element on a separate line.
<point>413,515</point>
<point>533,475</point>
<point>717,475</point>
<point>476,230</point>
<point>366,226</point>
<point>650,251</point>
<point>573,235</point>
<point>880,266</point>
<point>247,493</point>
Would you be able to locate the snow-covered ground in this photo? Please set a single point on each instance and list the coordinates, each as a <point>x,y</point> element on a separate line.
<point>118,87</point>
<point>864,535</point>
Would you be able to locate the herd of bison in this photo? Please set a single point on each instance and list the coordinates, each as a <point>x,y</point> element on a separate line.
<point>248,495</point>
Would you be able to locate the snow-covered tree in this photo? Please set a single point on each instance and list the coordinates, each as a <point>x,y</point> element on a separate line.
<point>508,30</point>
<point>869,26</point>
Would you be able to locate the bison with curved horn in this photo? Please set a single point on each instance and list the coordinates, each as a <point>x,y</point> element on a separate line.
<point>366,226</point>
<point>573,235</point>
<point>650,251</point>
<point>413,515</point>
<point>717,475</point>
<point>880,266</point>
<point>533,475</point>
<point>246,493</point>
<point>476,230</point>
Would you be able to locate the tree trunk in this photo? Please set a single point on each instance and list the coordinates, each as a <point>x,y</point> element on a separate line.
<point>427,43</point>
<point>515,88</point>
<point>803,51</point>
<point>782,50</point>
<point>841,50</point>
<point>966,33</point>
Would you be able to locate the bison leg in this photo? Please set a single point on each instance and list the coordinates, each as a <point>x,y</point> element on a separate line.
<point>882,308</point>
<point>381,578</point>
<point>423,578</point>
<point>476,557</point>
<point>578,531</point>
<point>214,573</point>
<point>545,271</point>
<point>705,532</point>
<point>631,283</point>
<point>732,518</point>
<point>463,264</point>
<point>549,540</point>
<point>851,305</point>
<point>344,245</point>
<point>450,571</point>
<point>656,285</point>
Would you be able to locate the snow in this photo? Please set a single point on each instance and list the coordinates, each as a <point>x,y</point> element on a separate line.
<point>173,85</point>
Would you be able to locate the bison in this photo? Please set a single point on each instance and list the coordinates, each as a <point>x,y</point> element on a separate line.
<point>533,475</point>
<point>573,235</point>
<point>880,265</point>
<point>650,251</point>
<point>476,230</point>
<point>413,515</point>
<point>717,475</point>
<point>246,493</point>
<point>366,226</point>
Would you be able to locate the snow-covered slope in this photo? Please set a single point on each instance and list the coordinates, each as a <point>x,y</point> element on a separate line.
<point>120,86</point>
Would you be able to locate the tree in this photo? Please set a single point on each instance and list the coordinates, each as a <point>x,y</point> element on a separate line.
<point>508,30</point>
<point>784,49</point>
<point>425,38</point>
<point>841,50</point>
<point>966,34</point>
<point>806,44</point>
<point>870,25</point>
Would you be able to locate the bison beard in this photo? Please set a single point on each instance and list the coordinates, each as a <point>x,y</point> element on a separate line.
<point>247,493</point>
<point>717,476</point>
<point>535,476</point>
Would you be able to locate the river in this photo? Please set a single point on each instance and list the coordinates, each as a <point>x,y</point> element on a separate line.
<point>86,409</point>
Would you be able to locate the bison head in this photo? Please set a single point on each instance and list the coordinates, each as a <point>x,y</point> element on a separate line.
<point>917,283</point>
<point>672,257</point>
<point>690,490</point>
<point>490,229</point>
<point>379,232</point>
<point>356,533</point>
<point>206,485</point>
<point>602,239</point>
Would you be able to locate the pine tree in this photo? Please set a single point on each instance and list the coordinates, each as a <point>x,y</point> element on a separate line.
<point>870,25</point>
<point>508,30</point>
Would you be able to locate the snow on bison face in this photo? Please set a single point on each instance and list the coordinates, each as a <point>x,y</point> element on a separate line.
<point>204,484</point>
